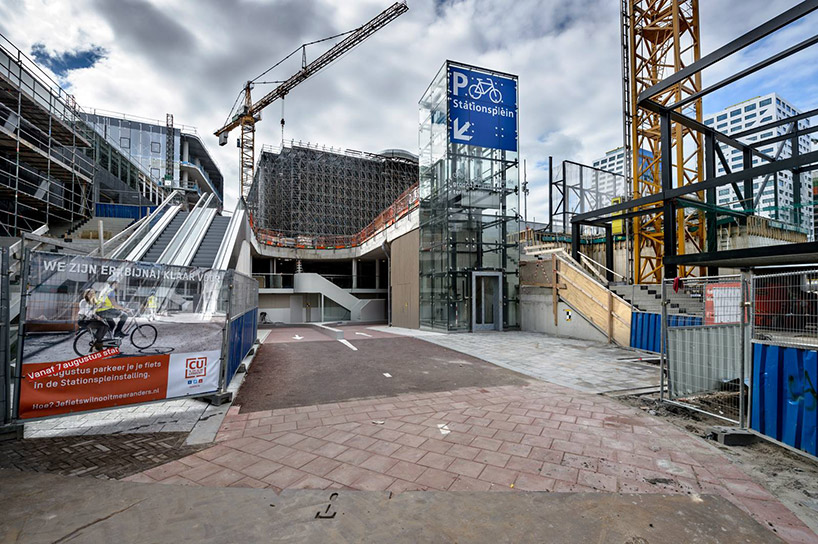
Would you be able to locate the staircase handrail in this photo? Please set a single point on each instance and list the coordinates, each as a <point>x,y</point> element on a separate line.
<point>144,226</point>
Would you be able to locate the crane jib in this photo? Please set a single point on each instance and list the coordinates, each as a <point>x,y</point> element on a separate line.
<point>342,47</point>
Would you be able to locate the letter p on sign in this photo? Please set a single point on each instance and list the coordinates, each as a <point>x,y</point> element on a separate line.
<point>459,81</point>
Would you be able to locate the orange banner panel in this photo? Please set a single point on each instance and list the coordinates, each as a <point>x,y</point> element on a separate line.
<point>103,383</point>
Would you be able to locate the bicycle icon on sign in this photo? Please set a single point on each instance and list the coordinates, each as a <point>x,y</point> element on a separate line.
<point>483,87</point>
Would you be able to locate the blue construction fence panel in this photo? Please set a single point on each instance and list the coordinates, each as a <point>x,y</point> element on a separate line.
<point>241,337</point>
<point>784,395</point>
<point>124,211</point>
<point>646,329</point>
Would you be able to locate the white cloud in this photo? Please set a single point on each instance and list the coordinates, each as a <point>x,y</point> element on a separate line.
<point>191,58</point>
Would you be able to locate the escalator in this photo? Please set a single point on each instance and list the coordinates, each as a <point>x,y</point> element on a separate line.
<point>212,241</point>
<point>161,243</point>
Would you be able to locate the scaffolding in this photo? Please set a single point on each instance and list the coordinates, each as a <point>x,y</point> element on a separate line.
<point>306,190</point>
<point>46,174</point>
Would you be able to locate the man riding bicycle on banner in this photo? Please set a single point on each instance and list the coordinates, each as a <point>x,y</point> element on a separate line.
<point>109,309</point>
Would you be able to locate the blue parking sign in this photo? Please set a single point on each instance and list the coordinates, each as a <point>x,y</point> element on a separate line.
<point>482,109</point>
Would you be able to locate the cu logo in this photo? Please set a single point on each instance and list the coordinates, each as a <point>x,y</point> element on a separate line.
<point>195,367</point>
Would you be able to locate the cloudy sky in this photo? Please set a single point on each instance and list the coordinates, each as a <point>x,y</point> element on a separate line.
<point>191,57</point>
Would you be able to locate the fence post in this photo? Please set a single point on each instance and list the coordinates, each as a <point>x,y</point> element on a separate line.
<point>101,236</point>
<point>21,323</point>
<point>228,277</point>
<point>5,340</point>
<point>746,348</point>
<point>663,341</point>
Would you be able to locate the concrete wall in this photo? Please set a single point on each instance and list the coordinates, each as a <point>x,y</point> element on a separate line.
<point>537,315</point>
<point>276,306</point>
<point>405,280</point>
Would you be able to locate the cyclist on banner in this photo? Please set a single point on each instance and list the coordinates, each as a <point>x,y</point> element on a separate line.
<point>109,309</point>
<point>151,305</point>
<point>88,318</point>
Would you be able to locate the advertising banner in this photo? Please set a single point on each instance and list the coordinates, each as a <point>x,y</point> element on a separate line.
<point>100,333</point>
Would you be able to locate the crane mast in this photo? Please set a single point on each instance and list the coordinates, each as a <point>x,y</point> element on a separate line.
<point>250,112</point>
<point>660,37</point>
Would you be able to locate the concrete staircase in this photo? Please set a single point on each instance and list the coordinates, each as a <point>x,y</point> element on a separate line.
<point>359,309</point>
<point>648,298</point>
<point>111,226</point>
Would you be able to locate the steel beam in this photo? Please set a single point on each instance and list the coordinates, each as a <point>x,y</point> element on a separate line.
<point>776,23</point>
<point>746,72</point>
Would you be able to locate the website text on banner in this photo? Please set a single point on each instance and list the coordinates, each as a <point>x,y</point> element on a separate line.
<point>101,333</point>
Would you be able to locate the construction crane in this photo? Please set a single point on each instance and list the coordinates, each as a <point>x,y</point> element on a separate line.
<point>249,113</point>
<point>660,37</point>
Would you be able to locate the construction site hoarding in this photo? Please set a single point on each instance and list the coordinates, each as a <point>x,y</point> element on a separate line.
<point>98,333</point>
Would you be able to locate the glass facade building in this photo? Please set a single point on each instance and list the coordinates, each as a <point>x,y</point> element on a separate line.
<point>469,204</point>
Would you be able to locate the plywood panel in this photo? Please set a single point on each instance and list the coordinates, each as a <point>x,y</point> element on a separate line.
<point>591,299</point>
<point>405,280</point>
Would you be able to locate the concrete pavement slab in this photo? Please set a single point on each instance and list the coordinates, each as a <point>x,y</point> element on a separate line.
<point>44,508</point>
<point>580,364</point>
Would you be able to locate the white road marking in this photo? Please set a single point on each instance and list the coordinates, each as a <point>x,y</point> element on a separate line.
<point>364,334</point>
<point>387,374</point>
<point>296,337</point>
<point>443,428</point>
<point>347,344</point>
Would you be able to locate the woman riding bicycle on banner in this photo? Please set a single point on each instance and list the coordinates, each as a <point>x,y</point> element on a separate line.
<point>109,309</point>
<point>88,318</point>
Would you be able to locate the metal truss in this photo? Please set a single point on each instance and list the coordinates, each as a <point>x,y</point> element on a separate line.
<point>303,190</point>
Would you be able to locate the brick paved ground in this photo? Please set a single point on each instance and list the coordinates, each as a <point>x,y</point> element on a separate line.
<point>539,437</point>
<point>103,456</point>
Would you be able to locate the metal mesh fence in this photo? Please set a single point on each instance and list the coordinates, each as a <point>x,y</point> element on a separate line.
<point>786,309</point>
<point>243,295</point>
<point>705,368</point>
<point>579,188</point>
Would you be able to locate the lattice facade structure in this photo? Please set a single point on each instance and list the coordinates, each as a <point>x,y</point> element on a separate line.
<point>663,38</point>
<point>301,190</point>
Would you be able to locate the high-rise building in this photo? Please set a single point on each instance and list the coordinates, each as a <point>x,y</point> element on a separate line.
<point>780,199</point>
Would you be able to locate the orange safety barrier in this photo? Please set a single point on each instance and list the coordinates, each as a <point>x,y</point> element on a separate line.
<point>405,203</point>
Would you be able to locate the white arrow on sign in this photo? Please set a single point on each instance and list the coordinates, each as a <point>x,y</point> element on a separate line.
<point>364,334</point>
<point>460,132</point>
<point>296,337</point>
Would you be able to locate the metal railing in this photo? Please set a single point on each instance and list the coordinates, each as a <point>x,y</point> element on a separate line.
<point>404,204</point>
<point>54,98</point>
<point>275,280</point>
<point>128,239</point>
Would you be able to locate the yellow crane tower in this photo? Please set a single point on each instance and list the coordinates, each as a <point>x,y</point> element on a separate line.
<point>248,113</point>
<point>660,37</point>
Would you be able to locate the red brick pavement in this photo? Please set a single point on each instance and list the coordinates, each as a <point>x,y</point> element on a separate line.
<point>534,438</point>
